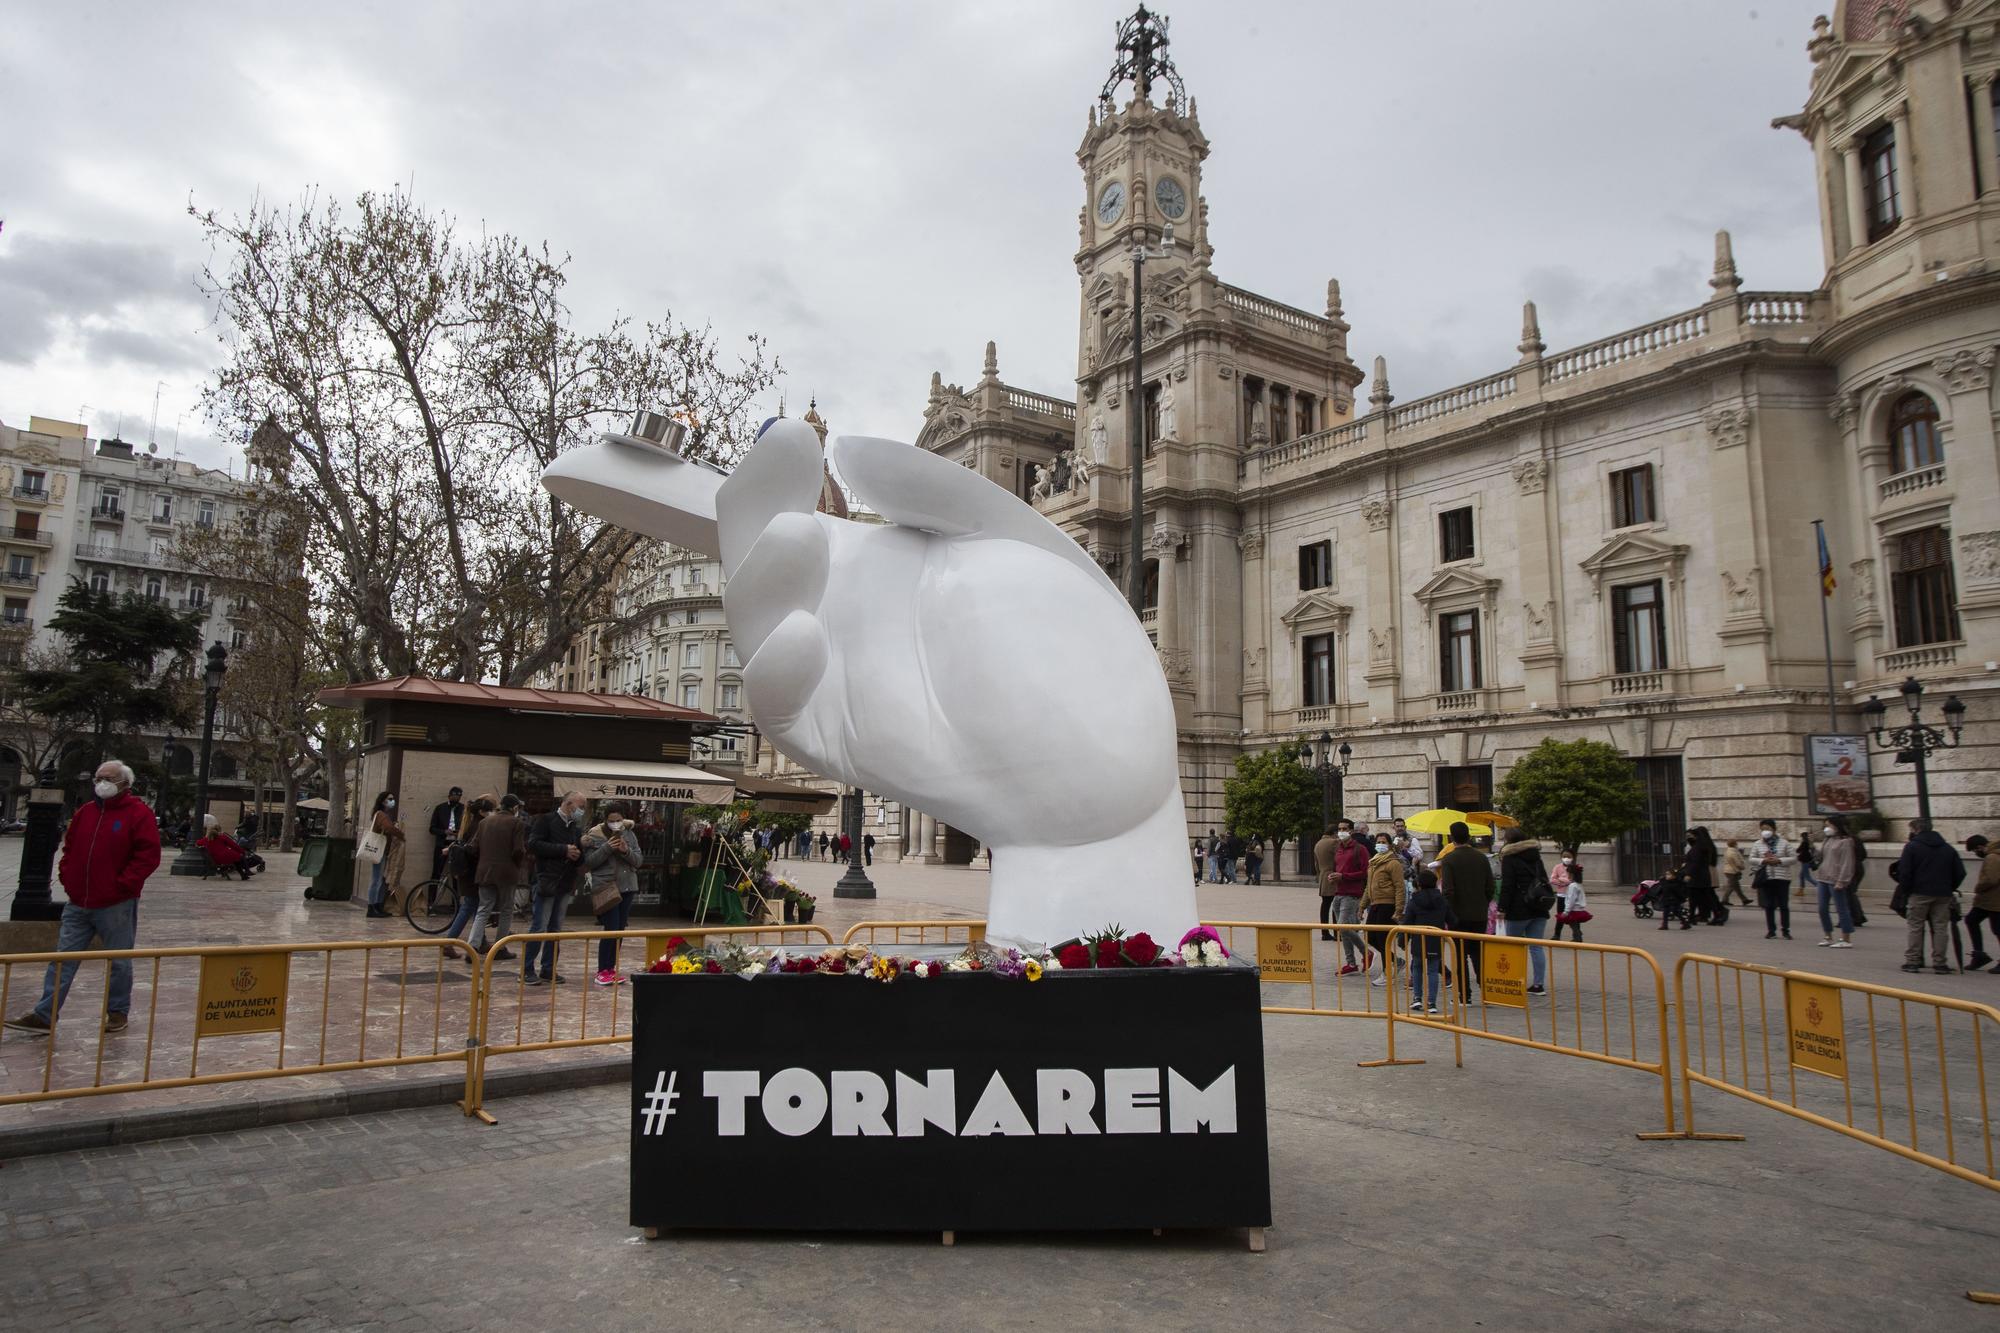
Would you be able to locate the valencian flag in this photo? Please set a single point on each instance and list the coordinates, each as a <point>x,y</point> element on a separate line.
<point>1825,565</point>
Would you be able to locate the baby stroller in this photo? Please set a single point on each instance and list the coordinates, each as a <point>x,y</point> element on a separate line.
<point>1646,899</point>
<point>1669,897</point>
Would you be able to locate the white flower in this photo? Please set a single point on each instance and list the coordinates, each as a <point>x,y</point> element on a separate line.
<point>1211,954</point>
<point>1050,964</point>
<point>922,969</point>
<point>1191,955</point>
<point>958,965</point>
<point>753,969</point>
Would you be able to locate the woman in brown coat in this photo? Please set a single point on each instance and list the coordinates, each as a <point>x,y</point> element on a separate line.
<point>1381,899</point>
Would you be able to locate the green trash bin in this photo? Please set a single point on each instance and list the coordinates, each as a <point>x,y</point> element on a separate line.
<point>330,863</point>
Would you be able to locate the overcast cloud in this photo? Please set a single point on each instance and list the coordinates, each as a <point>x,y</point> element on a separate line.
<point>880,188</point>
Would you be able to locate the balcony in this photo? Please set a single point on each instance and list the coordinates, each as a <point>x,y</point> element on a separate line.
<point>107,514</point>
<point>1149,615</point>
<point>35,495</point>
<point>1460,701</point>
<point>1633,684</point>
<point>1905,660</point>
<point>1319,715</point>
<point>160,522</point>
<point>1903,483</point>
<point>122,555</point>
<point>16,625</point>
<point>27,536</point>
<point>19,579</point>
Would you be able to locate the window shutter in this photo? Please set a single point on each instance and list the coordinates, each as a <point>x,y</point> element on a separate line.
<point>1477,675</point>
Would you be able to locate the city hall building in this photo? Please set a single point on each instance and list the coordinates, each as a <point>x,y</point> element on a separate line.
<point>1611,541</point>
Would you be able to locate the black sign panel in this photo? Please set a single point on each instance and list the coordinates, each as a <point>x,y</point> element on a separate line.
<point>1085,1100</point>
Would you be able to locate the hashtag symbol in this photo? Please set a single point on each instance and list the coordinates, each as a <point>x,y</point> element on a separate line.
<point>659,1104</point>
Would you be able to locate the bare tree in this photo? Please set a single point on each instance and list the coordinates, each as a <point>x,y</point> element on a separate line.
<point>417,383</point>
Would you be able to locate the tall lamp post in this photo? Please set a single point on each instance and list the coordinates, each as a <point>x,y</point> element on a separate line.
<point>1135,552</point>
<point>855,883</point>
<point>1318,757</point>
<point>193,858</point>
<point>1915,741</point>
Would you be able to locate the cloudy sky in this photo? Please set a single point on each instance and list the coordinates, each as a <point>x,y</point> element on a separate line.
<point>879,188</point>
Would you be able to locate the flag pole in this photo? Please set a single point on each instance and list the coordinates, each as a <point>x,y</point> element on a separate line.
<point>1825,628</point>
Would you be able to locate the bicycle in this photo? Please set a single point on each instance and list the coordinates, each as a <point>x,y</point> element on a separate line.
<point>431,906</point>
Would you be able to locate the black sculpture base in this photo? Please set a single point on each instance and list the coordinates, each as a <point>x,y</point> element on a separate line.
<point>1088,1100</point>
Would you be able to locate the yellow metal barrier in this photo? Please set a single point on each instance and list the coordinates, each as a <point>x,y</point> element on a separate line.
<point>241,996</point>
<point>1288,954</point>
<point>926,932</point>
<point>607,1011</point>
<point>1775,1025</point>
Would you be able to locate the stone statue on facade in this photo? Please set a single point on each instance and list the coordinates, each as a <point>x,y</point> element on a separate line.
<point>1169,417</point>
<point>1260,430</point>
<point>1100,441</point>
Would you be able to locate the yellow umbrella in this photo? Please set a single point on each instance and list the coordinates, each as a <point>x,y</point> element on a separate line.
<point>1439,822</point>
<point>1496,819</point>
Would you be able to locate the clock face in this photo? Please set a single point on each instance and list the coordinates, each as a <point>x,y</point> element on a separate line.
<point>1111,203</point>
<point>1171,198</point>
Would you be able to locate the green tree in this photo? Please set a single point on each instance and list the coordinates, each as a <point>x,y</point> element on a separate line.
<point>1574,792</point>
<point>1271,796</point>
<point>130,667</point>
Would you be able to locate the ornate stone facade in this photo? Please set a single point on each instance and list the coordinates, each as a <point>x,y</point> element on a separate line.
<point>1650,576</point>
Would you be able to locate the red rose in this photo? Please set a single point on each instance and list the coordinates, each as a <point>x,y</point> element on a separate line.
<point>1073,956</point>
<point>1141,950</point>
<point>1107,954</point>
<point>665,963</point>
<point>676,944</point>
<point>713,966</point>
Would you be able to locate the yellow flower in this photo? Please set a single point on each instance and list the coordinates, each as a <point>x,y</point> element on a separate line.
<point>684,965</point>
<point>1032,970</point>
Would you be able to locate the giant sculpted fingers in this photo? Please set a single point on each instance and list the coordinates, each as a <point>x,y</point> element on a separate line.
<point>781,474</point>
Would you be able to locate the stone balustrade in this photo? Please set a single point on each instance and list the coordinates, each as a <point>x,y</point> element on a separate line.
<point>1673,331</point>
<point>1258,307</point>
<point>1919,479</point>
<point>1638,682</point>
<point>1464,398</point>
<point>1026,400</point>
<point>1905,660</point>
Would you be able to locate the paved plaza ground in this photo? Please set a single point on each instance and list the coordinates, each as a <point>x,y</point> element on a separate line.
<point>1507,1194</point>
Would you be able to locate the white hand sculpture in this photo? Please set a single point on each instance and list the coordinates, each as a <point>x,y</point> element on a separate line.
<point>965,658</point>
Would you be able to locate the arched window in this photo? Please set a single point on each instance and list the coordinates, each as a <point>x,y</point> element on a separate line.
<point>222,766</point>
<point>1149,596</point>
<point>1913,434</point>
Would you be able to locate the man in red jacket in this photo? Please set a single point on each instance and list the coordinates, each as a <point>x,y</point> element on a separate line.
<point>112,845</point>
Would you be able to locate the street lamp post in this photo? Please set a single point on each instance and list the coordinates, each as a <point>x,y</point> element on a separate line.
<point>1915,741</point>
<point>855,883</point>
<point>32,898</point>
<point>193,858</point>
<point>1135,554</point>
<point>1329,765</point>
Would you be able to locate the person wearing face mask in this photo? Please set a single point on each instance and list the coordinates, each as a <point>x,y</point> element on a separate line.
<point>1732,875</point>
<point>461,862</point>
<point>111,846</point>
<point>611,858</point>
<point>1526,896</point>
<point>1350,877</point>
<point>1567,880</point>
<point>389,867</point>
<point>1325,853</point>
<point>554,841</point>
<point>1837,870</point>
<point>1381,898</point>
<point>1770,854</point>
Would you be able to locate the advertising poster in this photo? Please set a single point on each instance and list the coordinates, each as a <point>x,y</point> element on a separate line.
<point>1837,773</point>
